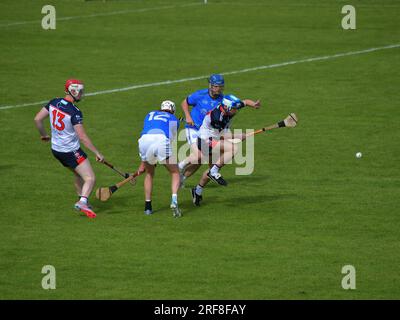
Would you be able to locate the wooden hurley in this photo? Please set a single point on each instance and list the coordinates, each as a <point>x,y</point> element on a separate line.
<point>103,194</point>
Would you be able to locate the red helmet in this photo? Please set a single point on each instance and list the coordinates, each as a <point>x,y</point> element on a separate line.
<point>75,88</point>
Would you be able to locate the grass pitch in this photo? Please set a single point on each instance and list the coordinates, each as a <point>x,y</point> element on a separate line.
<point>285,232</point>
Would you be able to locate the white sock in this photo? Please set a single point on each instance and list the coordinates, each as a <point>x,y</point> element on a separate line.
<point>199,189</point>
<point>83,199</point>
<point>214,170</point>
<point>182,165</point>
<point>174,198</point>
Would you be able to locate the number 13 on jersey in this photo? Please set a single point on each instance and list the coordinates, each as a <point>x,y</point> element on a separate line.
<point>57,120</point>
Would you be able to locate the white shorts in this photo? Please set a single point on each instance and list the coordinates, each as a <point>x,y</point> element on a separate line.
<point>192,135</point>
<point>154,147</point>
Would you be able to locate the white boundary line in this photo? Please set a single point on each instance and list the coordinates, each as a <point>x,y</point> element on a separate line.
<point>271,66</point>
<point>100,14</point>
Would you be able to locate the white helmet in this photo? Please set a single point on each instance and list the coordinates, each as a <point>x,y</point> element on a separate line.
<point>168,105</point>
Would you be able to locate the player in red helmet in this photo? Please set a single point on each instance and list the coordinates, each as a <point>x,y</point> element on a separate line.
<point>67,131</point>
<point>75,88</point>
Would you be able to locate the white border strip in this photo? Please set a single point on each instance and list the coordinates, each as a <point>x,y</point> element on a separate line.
<point>155,84</point>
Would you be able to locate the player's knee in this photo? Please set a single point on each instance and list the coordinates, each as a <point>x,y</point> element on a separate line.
<point>90,178</point>
<point>234,149</point>
<point>174,169</point>
<point>150,174</point>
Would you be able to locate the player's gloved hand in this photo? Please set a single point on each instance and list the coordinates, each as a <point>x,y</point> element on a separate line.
<point>99,157</point>
<point>45,138</point>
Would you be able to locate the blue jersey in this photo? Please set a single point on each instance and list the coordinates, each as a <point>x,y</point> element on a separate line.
<point>201,103</point>
<point>160,122</point>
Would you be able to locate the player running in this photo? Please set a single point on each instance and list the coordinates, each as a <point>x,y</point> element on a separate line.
<point>213,143</point>
<point>203,101</point>
<point>160,129</point>
<point>66,122</point>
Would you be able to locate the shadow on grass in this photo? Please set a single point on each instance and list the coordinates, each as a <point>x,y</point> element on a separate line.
<point>115,205</point>
<point>6,166</point>
<point>240,201</point>
<point>236,180</point>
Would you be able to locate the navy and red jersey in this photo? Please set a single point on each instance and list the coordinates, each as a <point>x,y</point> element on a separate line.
<point>64,115</point>
<point>214,124</point>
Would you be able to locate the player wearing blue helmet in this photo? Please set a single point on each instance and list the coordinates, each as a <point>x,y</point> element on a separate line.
<point>202,102</point>
<point>211,144</point>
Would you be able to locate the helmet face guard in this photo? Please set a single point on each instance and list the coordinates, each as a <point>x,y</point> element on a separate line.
<point>75,88</point>
<point>216,84</point>
<point>168,105</point>
<point>231,104</point>
<point>215,90</point>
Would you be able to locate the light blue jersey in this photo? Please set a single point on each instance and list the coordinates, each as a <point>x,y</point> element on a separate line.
<point>160,122</point>
<point>201,103</point>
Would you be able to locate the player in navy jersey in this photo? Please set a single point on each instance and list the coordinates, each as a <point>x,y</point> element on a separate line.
<point>159,130</point>
<point>203,101</point>
<point>67,131</point>
<point>212,143</point>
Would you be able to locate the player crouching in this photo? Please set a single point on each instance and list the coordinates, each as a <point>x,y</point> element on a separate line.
<point>212,143</point>
<point>160,129</point>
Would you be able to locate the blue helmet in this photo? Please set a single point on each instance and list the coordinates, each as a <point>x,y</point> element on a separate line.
<point>216,80</point>
<point>232,102</point>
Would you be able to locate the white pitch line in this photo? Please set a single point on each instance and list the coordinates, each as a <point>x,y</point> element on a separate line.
<point>100,14</point>
<point>271,66</point>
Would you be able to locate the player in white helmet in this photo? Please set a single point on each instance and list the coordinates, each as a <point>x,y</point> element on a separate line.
<point>159,130</point>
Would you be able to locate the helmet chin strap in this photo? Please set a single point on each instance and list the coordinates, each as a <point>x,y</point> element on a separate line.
<point>75,100</point>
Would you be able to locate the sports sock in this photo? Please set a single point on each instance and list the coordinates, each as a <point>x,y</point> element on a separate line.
<point>214,170</point>
<point>83,199</point>
<point>199,190</point>
<point>183,164</point>
<point>147,205</point>
<point>174,198</point>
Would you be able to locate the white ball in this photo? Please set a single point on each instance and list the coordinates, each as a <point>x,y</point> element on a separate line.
<point>358,155</point>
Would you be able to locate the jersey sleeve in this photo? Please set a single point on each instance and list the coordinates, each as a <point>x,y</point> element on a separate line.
<point>215,121</point>
<point>47,105</point>
<point>193,98</point>
<point>77,118</point>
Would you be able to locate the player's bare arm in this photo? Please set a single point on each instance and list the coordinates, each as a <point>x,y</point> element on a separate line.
<point>252,104</point>
<point>185,108</point>
<point>40,116</point>
<point>228,136</point>
<point>80,131</point>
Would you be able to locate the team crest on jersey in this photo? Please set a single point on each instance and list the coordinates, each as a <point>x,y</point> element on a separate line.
<point>204,101</point>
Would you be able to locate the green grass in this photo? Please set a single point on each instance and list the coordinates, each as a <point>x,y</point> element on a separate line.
<point>285,232</point>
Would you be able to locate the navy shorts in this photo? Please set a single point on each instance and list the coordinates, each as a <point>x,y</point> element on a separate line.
<point>70,159</point>
<point>206,145</point>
